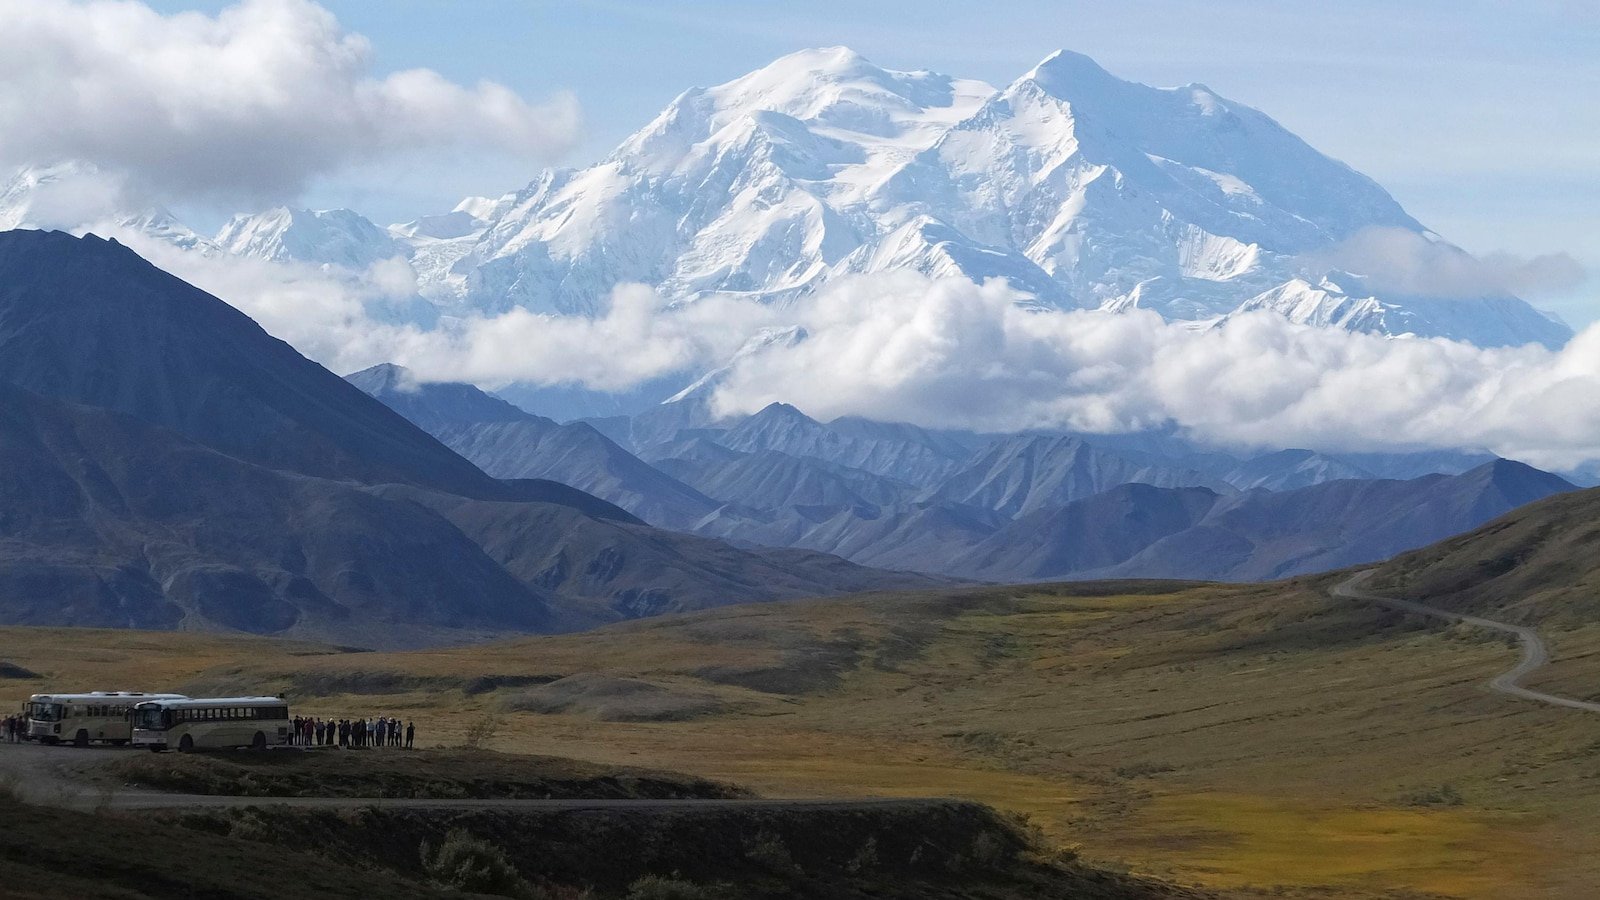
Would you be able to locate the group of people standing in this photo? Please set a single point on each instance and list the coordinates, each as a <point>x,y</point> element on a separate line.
<point>380,732</point>
<point>14,729</point>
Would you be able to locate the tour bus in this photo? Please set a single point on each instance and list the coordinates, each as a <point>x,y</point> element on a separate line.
<point>81,718</point>
<point>217,723</point>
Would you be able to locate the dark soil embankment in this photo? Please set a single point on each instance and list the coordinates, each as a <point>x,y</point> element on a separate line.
<point>52,853</point>
<point>916,849</point>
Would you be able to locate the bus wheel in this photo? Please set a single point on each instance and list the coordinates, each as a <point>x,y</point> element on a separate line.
<point>186,745</point>
<point>157,748</point>
<point>119,743</point>
<point>81,739</point>
<point>259,742</point>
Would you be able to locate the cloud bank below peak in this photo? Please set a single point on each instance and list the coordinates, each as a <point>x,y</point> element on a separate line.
<point>254,102</point>
<point>948,353</point>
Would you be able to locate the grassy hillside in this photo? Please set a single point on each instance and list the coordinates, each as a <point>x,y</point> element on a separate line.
<point>1539,564</point>
<point>1246,738</point>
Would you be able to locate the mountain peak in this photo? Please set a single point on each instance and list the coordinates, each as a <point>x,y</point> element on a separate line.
<point>384,377</point>
<point>339,236</point>
<point>1065,71</point>
<point>780,410</point>
<point>821,61</point>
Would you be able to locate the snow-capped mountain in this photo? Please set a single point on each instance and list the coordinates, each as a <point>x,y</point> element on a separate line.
<point>77,197</point>
<point>337,237</point>
<point>1080,189</point>
<point>1077,187</point>
<point>1341,300</point>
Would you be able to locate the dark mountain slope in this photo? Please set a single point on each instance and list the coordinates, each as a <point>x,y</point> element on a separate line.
<point>1260,535</point>
<point>107,521</point>
<point>88,321</point>
<point>509,443</point>
<point>613,570</point>
<point>1093,533</point>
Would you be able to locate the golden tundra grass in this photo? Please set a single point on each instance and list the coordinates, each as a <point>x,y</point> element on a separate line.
<point>1249,739</point>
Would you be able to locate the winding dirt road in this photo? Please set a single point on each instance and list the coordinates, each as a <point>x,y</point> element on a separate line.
<point>1534,652</point>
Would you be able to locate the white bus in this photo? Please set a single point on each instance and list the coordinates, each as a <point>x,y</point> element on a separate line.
<point>216,723</point>
<point>81,718</point>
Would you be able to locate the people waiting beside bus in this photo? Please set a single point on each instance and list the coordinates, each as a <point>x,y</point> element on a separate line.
<point>305,731</point>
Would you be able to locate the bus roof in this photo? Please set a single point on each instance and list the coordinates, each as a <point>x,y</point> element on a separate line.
<point>101,696</point>
<point>208,702</point>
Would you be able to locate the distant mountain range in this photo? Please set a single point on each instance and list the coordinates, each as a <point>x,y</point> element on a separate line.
<point>166,463</point>
<point>1001,508</point>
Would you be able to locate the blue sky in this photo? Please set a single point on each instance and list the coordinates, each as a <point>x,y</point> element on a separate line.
<point>1479,116</point>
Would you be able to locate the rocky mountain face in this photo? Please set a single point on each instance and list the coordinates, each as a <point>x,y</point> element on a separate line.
<point>1023,474</point>
<point>166,463</point>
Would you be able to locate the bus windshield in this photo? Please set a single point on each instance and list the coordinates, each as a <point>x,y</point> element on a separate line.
<point>45,712</point>
<point>150,719</point>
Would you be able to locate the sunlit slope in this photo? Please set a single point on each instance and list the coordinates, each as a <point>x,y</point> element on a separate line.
<point>1238,737</point>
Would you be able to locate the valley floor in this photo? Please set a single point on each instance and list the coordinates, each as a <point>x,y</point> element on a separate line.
<point>1252,740</point>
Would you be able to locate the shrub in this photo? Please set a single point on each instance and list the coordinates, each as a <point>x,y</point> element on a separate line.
<point>1443,795</point>
<point>768,849</point>
<point>10,787</point>
<point>468,863</point>
<point>990,851</point>
<point>481,732</point>
<point>865,859</point>
<point>655,887</point>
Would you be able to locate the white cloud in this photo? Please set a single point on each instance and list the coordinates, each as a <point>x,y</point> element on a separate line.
<point>351,320</point>
<point>253,102</point>
<point>953,354</point>
<point>949,353</point>
<point>1399,261</point>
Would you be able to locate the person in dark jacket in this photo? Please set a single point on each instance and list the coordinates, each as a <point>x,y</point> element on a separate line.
<point>411,734</point>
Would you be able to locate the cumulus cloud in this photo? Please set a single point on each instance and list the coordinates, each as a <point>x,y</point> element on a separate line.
<point>349,320</point>
<point>252,102</point>
<point>947,353</point>
<point>1399,261</point>
<point>952,354</point>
